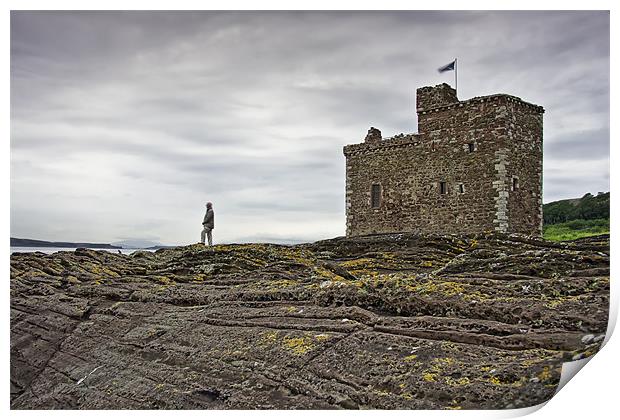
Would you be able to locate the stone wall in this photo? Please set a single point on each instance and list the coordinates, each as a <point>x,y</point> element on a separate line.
<point>430,97</point>
<point>526,158</point>
<point>456,175</point>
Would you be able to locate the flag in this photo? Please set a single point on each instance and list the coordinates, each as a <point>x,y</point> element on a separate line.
<point>447,67</point>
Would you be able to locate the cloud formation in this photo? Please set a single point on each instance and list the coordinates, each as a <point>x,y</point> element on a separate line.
<point>123,124</point>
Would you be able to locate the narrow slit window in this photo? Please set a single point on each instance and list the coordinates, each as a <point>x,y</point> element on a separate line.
<point>471,147</point>
<point>461,189</point>
<point>375,196</point>
<point>515,183</point>
<point>443,187</point>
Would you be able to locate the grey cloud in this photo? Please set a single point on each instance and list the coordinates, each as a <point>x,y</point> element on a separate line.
<point>589,144</point>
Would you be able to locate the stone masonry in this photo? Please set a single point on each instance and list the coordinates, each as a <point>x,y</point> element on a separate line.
<point>474,166</point>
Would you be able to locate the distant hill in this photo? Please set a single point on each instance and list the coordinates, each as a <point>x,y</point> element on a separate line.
<point>156,247</point>
<point>137,244</point>
<point>575,218</point>
<point>40,244</point>
<point>588,207</point>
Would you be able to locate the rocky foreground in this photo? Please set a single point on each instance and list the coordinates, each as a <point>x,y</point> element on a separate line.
<point>390,321</point>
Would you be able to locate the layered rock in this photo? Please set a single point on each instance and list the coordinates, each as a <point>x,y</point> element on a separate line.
<point>386,321</point>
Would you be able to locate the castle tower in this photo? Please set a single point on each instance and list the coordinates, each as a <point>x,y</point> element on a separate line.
<point>474,166</point>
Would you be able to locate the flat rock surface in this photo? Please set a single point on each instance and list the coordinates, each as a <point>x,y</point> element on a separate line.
<point>387,321</point>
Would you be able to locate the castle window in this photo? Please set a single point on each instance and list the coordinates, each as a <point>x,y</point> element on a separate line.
<point>443,187</point>
<point>461,189</point>
<point>375,196</point>
<point>471,147</point>
<point>515,183</point>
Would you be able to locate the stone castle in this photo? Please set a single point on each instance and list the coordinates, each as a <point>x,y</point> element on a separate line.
<point>474,166</point>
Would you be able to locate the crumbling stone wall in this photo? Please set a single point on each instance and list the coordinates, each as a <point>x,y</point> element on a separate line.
<point>430,97</point>
<point>474,166</point>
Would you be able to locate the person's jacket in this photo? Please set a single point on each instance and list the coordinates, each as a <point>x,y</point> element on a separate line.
<point>209,221</point>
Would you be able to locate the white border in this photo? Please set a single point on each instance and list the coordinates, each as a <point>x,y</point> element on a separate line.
<point>592,394</point>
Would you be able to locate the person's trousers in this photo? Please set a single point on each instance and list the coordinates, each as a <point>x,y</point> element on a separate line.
<point>206,231</point>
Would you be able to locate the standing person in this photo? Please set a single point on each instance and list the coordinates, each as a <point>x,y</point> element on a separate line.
<point>208,223</point>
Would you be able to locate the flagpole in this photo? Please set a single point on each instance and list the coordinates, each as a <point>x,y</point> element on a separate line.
<point>456,83</point>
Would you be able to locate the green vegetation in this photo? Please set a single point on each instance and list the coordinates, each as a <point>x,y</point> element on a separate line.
<point>566,220</point>
<point>588,207</point>
<point>575,229</point>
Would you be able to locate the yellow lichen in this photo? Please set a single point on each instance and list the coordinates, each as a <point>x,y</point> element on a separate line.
<point>199,277</point>
<point>495,380</point>
<point>446,288</point>
<point>554,303</point>
<point>458,382</point>
<point>326,274</point>
<point>357,263</point>
<point>281,284</point>
<point>298,345</point>
<point>429,377</point>
<point>268,337</point>
<point>545,374</point>
<point>163,280</point>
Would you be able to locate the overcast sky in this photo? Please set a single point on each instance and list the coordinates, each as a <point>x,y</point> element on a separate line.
<point>123,124</point>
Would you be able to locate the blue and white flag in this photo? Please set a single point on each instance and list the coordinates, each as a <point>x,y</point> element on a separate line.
<point>447,67</point>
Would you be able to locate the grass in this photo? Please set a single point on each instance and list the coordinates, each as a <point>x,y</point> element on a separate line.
<point>575,229</point>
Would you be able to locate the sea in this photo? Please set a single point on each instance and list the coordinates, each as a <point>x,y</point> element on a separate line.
<point>51,250</point>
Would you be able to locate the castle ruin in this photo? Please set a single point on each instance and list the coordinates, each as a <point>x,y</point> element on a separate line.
<point>474,166</point>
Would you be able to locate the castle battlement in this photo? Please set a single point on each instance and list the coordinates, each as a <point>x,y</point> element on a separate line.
<point>488,98</point>
<point>437,105</point>
<point>474,166</point>
<point>387,143</point>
